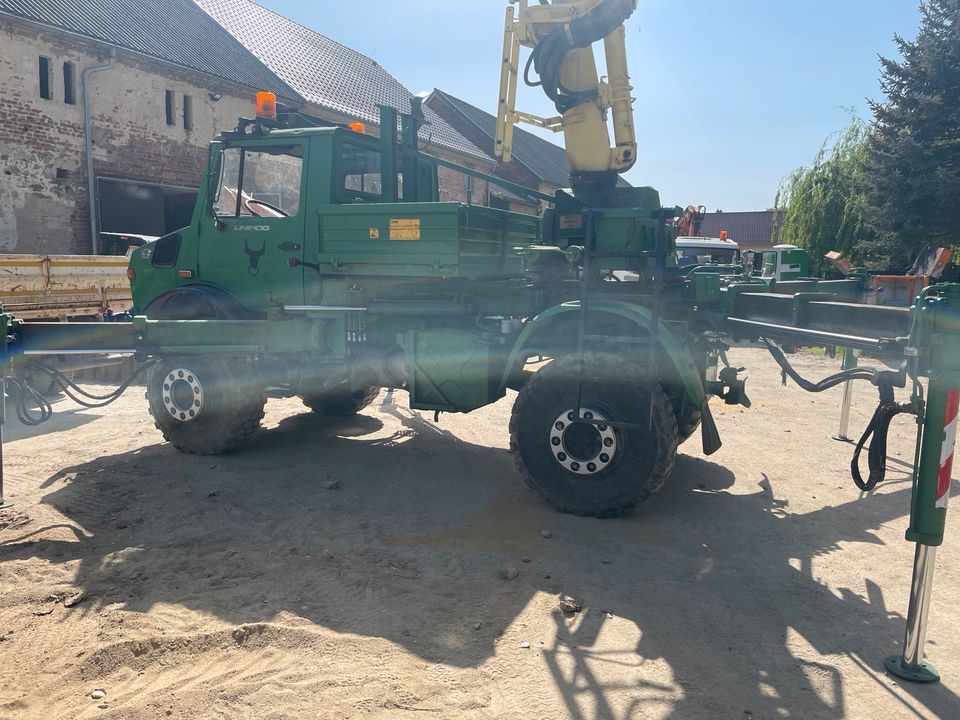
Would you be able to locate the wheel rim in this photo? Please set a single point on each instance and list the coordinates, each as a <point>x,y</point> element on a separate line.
<point>584,448</point>
<point>182,394</point>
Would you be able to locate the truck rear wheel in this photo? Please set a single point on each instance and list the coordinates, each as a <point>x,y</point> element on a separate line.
<point>205,406</point>
<point>341,402</point>
<point>593,469</point>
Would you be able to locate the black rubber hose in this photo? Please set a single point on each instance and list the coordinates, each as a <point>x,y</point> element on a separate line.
<point>601,21</point>
<point>77,394</point>
<point>548,55</point>
<point>829,382</point>
<point>879,427</point>
<point>24,392</point>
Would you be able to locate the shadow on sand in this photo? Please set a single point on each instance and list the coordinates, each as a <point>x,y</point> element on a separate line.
<point>252,534</point>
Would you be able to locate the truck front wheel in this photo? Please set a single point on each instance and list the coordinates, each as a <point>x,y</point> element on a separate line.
<point>205,406</point>
<point>593,468</point>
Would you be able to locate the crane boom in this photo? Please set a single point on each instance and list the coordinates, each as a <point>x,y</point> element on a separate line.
<point>561,35</point>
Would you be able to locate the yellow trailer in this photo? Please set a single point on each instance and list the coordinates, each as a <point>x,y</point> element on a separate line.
<point>64,286</point>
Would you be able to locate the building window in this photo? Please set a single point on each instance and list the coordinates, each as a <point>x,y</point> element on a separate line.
<point>69,84</point>
<point>45,91</point>
<point>187,112</point>
<point>168,102</point>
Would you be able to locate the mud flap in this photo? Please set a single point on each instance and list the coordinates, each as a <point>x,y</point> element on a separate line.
<point>708,430</point>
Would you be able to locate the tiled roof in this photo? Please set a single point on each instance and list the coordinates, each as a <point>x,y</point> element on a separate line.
<point>175,31</point>
<point>325,72</point>
<point>544,159</point>
<point>749,229</point>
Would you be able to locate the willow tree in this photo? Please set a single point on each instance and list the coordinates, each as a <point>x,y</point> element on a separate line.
<point>824,204</point>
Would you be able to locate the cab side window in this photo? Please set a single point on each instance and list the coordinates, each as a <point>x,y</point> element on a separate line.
<point>360,171</point>
<point>259,181</point>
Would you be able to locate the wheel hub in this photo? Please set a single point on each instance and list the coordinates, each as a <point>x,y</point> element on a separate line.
<point>584,448</point>
<point>182,394</point>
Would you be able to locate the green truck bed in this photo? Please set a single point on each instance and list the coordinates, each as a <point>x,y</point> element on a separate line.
<point>423,239</point>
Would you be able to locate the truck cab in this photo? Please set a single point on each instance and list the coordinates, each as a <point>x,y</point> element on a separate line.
<point>706,251</point>
<point>785,262</point>
<point>259,215</point>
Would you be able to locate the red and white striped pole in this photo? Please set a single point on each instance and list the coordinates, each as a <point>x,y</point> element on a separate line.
<point>948,448</point>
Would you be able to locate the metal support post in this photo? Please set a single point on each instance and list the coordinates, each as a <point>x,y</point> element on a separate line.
<point>849,362</point>
<point>3,416</point>
<point>928,511</point>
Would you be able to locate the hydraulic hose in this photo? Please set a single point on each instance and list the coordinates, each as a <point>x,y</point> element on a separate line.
<point>879,425</point>
<point>25,393</point>
<point>829,382</point>
<point>77,394</point>
<point>548,55</point>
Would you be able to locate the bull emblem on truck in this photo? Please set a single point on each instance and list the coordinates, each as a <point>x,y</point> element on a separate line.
<point>254,256</point>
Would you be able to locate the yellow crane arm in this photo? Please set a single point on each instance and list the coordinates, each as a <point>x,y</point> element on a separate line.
<point>561,34</point>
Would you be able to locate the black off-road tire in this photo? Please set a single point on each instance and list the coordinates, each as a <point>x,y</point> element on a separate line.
<point>341,402</point>
<point>642,460</point>
<point>230,411</point>
<point>688,422</point>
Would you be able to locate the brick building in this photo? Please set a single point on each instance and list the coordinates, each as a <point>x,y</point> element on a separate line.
<point>163,77</point>
<point>755,230</point>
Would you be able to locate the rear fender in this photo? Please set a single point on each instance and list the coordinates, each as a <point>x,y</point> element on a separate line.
<point>561,321</point>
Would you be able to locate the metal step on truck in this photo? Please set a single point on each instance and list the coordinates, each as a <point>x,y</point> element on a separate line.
<point>319,263</point>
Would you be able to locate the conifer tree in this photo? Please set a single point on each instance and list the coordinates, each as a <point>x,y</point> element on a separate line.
<point>912,172</point>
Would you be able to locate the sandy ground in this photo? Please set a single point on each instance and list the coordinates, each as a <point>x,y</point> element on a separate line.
<point>759,584</point>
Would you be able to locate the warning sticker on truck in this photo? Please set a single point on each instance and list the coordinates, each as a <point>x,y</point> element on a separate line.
<point>405,229</point>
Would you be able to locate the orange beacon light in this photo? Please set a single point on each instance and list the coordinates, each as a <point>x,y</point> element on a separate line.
<point>266,106</point>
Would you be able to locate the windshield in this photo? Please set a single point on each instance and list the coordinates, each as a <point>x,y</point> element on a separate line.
<point>259,181</point>
<point>705,256</point>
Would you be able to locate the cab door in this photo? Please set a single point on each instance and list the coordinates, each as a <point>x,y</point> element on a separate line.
<point>256,222</point>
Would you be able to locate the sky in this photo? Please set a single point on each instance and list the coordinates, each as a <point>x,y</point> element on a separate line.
<point>732,95</point>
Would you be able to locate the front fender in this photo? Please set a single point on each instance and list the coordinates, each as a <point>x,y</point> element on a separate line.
<point>198,301</point>
<point>675,348</point>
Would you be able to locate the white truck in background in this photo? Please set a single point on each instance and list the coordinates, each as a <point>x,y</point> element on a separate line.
<point>707,251</point>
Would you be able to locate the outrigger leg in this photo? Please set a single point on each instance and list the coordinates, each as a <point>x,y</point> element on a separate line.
<point>928,511</point>
<point>3,416</point>
<point>849,362</point>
